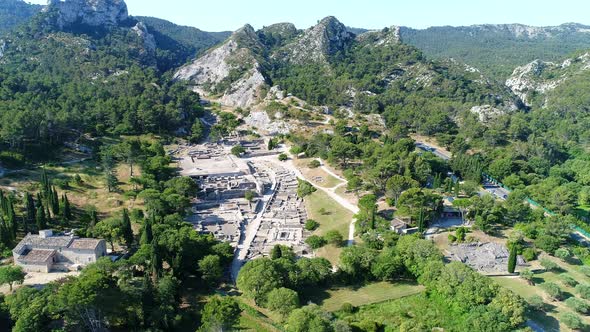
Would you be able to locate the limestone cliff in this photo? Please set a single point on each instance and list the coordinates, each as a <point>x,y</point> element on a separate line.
<point>94,13</point>
<point>538,78</point>
<point>231,70</point>
<point>319,42</point>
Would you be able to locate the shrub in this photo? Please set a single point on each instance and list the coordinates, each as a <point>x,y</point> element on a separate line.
<point>527,275</point>
<point>305,188</point>
<point>549,265</point>
<point>460,234</point>
<point>568,280</point>
<point>584,291</point>
<point>585,270</point>
<point>78,179</point>
<point>347,308</point>
<point>237,150</point>
<point>311,225</point>
<point>553,290</point>
<point>334,238</point>
<point>572,321</point>
<point>314,164</point>
<point>536,302</point>
<point>283,157</point>
<point>315,242</point>
<point>529,254</point>
<point>12,159</point>
<point>563,254</point>
<point>579,306</point>
<point>452,238</point>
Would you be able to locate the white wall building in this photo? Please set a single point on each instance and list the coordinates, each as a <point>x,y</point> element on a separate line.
<point>47,252</point>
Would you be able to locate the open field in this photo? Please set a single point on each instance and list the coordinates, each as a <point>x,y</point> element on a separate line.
<point>548,320</point>
<point>332,300</point>
<point>335,217</point>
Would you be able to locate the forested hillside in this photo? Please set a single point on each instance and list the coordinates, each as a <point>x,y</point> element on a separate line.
<point>81,79</point>
<point>498,49</point>
<point>176,43</point>
<point>14,13</point>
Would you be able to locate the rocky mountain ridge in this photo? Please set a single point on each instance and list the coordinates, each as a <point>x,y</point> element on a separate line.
<point>241,71</point>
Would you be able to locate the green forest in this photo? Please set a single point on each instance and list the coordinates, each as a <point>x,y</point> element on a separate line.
<point>108,90</point>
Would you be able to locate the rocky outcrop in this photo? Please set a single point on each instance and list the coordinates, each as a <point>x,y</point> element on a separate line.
<point>387,36</point>
<point>234,60</point>
<point>95,13</point>
<point>540,77</point>
<point>261,121</point>
<point>487,113</point>
<point>278,34</point>
<point>148,39</point>
<point>2,48</point>
<point>319,42</point>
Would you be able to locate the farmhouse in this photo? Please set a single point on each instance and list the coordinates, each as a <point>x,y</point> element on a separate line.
<point>48,252</point>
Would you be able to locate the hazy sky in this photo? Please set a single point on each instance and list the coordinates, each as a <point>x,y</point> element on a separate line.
<point>217,15</point>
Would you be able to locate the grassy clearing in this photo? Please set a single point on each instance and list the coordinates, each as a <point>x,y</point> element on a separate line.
<point>332,300</point>
<point>91,192</point>
<point>335,217</point>
<point>411,313</point>
<point>314,174</point>
<point>254,318</point>
<point>550,319</point>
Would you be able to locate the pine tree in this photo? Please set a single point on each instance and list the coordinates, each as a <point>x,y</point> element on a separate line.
<point>512,260</point>
<point>126,228</point>
<point>40,218</point>
<point>146,234</point>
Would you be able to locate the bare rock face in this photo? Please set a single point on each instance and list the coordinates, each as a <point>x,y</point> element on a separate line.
<point>265,124</point>
<point>96,13</point>
<point>148,39</point>
<point>325,39</point>
<point>542,77</point>
<point>487,113</point>
<point>387,36</point>
<point>234,58</point>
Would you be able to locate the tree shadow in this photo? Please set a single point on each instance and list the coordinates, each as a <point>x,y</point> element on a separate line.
<point>547,322</point>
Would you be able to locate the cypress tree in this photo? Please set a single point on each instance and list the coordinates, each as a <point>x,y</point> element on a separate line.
<point>126,228</point>
<point>25,225</point>
<point>512,260</point>
<point>40,218</point>
<point>67,209</point>
<point>3,202</point>
<point>146,234</point>
<point>30,210</point>
<point>54,202</point>
<point>155,261</point>
<point>93,218</point>
<point>4,234</point>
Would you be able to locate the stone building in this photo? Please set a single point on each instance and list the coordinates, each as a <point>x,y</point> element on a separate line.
<point>47,252</point>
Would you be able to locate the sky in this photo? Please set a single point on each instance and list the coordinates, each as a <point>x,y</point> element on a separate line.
<point>224,15</point>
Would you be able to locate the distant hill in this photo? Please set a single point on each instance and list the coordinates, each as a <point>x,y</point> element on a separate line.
<point>14,13</point>
<point>179,43</point>
<point>498,49</point>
